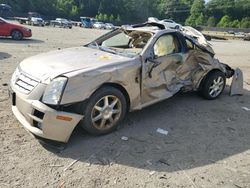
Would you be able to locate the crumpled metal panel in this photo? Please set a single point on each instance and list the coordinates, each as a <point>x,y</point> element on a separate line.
<point>178,71</point>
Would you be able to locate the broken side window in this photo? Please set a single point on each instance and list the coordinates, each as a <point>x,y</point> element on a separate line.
<point>166,45</point>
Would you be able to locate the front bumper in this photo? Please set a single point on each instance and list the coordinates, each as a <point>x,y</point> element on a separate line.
<point>43,121</point>
<point>28,34</point>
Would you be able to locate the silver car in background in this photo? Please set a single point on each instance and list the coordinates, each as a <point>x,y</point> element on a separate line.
<point>99,25</point>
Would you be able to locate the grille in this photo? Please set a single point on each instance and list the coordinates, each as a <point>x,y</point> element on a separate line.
<point>25,83</point>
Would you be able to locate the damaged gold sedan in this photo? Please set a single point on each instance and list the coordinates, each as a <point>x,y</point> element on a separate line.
<point>124,70</point>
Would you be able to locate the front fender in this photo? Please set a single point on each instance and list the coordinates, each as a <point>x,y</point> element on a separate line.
<point>81,86</point>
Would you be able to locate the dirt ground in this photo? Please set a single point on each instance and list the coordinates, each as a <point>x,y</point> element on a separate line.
<point>208,144</point>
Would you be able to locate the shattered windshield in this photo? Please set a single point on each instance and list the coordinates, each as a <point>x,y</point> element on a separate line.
<point>123,42</point>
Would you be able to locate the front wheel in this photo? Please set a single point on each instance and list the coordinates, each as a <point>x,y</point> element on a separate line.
<point>17,35</point>
<point>105,110</point>
<point>213,85</point>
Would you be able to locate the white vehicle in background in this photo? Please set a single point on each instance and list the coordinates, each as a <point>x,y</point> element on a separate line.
<point>170,24</point>
<point>99,25</point>
<point>240,34</point>
<point>166,22</point>
<point>37,21</point>
<point>109,26</point>
<point>33,18</point>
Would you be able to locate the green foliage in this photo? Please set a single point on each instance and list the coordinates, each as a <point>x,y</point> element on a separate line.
<point>211,22</point>
<point>118,19</point>
<point>225,21</point>
<point>196,13</point>
<point>111,18</point>
<point>245,23</point>
<point>235,24</point>
<point>229,13</point>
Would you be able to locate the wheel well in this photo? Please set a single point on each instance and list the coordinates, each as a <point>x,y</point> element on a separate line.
<point>205,77</point>
<point>16,30</point>
<point>121,89</point>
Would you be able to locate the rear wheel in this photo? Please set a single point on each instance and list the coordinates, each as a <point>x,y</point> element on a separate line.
<point>105,110</point>
<point>16,35</point>
<point>177,27</point>
<point>213,85</point>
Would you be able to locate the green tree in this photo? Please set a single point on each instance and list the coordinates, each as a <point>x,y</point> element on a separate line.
<point>105,17</point>
<point>118,19</point>
<point>177,10</point>
<point>211,22</point>
<point>235,24</point>
<point>200,20</point>
<point>111,18</point>
<point>196,14</point>
<point>74,11</point>
<point>225,22</point>
<point>245,22</point>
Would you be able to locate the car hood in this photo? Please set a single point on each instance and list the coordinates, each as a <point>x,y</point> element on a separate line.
<point>52,64</point>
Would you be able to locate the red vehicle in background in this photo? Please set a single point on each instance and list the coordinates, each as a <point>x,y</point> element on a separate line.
<point>17,32</point>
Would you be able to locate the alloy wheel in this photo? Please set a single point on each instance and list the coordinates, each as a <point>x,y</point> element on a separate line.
<point>216,87</point>
<point>106,112</point>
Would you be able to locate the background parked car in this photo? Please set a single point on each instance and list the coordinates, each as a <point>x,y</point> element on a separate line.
<point>33,18</point>
<point>61,22</point>
<point>17,32</point>
<point>109,26</point>
<point>170,24</point>
<point>87,22</point>
<point>37,21</point>
<point>240,34</point>
<point>166,22</point>
<point>99,25</point>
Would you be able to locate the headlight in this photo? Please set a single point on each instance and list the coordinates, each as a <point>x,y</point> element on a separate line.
<point>26,29</point>
<point>54,91</point>
<point>15,76</point>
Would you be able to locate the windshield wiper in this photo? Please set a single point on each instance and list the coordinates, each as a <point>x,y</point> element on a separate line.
<point>105,49</point>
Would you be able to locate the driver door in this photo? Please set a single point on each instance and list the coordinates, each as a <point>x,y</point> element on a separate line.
<point>160,80</point>
<point>3,28</point>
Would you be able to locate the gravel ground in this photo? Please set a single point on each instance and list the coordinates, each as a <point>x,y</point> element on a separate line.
<point>208,144</point>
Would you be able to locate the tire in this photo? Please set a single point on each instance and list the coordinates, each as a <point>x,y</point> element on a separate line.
<point>104,111</point>
<point>177,27</point>
<point>17,35</point>
<point>213,85</point>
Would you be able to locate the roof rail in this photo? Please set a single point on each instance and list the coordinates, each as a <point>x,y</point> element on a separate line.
<point>154,24</point>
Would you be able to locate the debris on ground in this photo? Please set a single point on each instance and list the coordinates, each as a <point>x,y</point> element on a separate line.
<point>62,184</point>
<point>246,109</point>
<point>152,173</point>
<point>71,164</point>
<point>56,166</point>
<point>149,162</point>
<point>162,131</point>
<point>124,138</point>
<point>164,161</point>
